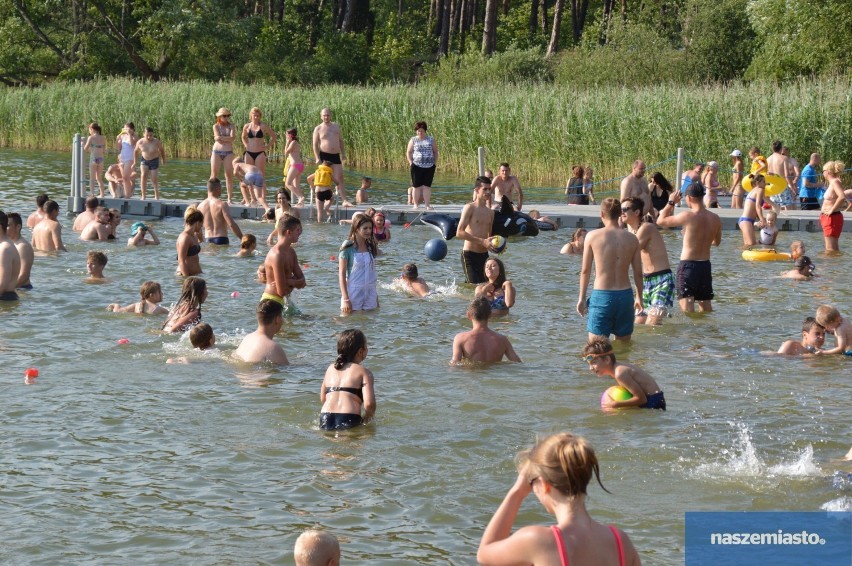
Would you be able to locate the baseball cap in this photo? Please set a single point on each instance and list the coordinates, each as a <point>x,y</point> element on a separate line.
<point>736,153</point>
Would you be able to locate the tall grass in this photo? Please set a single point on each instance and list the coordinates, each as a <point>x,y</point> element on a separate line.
<point>542,130</point>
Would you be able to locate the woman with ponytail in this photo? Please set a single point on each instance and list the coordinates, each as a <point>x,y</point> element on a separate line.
<point>347,386</point>
<point>557,470</point>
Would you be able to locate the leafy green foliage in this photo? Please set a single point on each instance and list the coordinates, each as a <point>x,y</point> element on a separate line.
<point>512,66</point>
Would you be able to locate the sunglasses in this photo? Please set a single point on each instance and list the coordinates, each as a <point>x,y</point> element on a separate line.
<point>589,357</point>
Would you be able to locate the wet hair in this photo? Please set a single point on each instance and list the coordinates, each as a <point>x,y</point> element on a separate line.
<point>372,246</point>
<point>348,344</point>
<point>777,145</point>
<point>577,233</point>
<point>98,258</point>
<point>92,203</point>
<point>600,347</point>
<point>501,271</point>
<point>4,220</point>
<point>506,165</point>
<point>201,336</point>
<point>51,206</point>
<point>191,298</point>
<point>248,241</point>
<point>268,310</point>
<point>94,126</point>
<point>293,132</point>
<point>661,180</point>
<point>41,200</point>
<point>835,167</point>
<point>810,323</point>
<point>827,314</point>
<point>611,208</point>
<point>565,461</point>
<point>480,309</point>
<point>420,126</point>
<point>796,245</point>
<point>409,271</point>
<point>635,203</point>
<point>286,192</point>
<point>193,217</point>
<point>148,288</point>
<point>577,171</point>
<point>316,548</point>
<point>14,219</point>
<point>288,222</point>
<point>758,178</point>
<point>804,265</point>
<point>269,214</point>
<point>149,130</point>
<point>214,184</point>
<point>481,180</point>
<point>113,213</point>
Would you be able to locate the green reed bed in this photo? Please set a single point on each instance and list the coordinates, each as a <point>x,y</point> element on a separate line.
<point>542,130</point>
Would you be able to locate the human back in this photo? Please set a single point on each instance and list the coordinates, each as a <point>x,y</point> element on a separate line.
<point>700,231</point>
<point>613,249</point>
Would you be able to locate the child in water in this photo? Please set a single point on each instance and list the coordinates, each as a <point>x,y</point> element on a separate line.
<point>347,386</point>
<point>381,232</point>
<point>575,246</point>
<point>813,337</point>
<point>600,356</point>
<point>803,270</point>
<point>357,268</point>
<point>187,310</point>
<point>829,317</point>
<point>797,249</point>
<point>201,337</point>
<point>152,296</point>
<point>316,548</point>
<point>247,245</point>
<point>769,231</point>
<point>557,470</point>
<point>95,264</point>
<point>415,284</point>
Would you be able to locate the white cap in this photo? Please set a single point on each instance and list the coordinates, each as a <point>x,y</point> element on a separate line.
<point>736,153</point>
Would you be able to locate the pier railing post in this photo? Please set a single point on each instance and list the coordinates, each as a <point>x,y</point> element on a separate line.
<point>480,153</point>
<point>76,202</point>
<point>679,174</point>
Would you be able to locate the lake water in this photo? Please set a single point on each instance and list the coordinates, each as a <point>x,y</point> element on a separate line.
<point>114,456</point>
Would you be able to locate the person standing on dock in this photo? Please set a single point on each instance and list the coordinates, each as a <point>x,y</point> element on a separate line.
<point>809,184</point>
<point>779,164</point>
<point>506,184</point>
<point>475,229</point>
<point>153,155</point>
<point>217,215</point>
<point>47,235</point>
<point>701,230</point>
<point>328,146</point>
<point>636,185</point>
<point>125,145</point>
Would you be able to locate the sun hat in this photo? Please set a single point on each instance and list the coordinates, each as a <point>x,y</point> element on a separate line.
<point>223,111</point>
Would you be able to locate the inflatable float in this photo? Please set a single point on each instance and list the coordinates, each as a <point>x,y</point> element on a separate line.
<point>765,255</point>
<point>545,226</point>
<point>514,224</point>
<point>775,184</point>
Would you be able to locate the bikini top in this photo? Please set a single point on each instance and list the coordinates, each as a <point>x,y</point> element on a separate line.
<point>563,554</point>
<point>194,250</point>
<point>353,390</point>
<point>251,134</point>
<point>498,303</point>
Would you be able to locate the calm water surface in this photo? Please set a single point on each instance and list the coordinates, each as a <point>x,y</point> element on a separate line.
<point>115,456</point>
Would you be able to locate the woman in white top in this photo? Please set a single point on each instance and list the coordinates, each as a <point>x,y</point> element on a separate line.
<point>125,145</point>
<point>422,153</point>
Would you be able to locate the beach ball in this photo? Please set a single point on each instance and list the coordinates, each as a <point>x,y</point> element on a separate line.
<point>436,249</point>
<point>499,244</point>
<point>616,393</point>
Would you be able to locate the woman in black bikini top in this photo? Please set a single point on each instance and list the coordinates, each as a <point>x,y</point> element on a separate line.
<point>347,386</point>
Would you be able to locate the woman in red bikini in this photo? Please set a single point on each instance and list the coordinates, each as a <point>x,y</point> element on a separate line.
<point>558,470</point>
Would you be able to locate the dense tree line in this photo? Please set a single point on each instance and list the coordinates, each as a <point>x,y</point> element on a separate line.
<point>377,41</point>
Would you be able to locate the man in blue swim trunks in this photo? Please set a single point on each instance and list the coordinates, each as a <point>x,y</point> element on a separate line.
<point>153,154</point>
<point>701,229</point>
<point>10,263</point>
<point>614,251</point>
<point>217,215</point>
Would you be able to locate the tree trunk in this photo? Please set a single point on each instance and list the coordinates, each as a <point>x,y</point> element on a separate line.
<point>553,47</point>
<point>607,18</point>
<point>505,7</point>
<point>439,18</point>
<point>313,32</point>
<point>444,44</point>
<point>543,15</point>
<point>489,30</point>
<point>455,16</point>
<point>624,11</point>
<point>584,9</point>
<point>533,17</point>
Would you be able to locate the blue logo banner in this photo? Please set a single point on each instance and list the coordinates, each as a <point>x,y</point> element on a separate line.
<point>769,538</point>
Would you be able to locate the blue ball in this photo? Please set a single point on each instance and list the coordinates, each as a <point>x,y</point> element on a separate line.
<point>436,249</point>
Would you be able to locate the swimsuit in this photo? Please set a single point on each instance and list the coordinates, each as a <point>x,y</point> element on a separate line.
<point>333,158</point>
<point>194,250</point>
<point>222,154</point>
<point>300,167</point>
<point>498,303</point>
<point>658,289</point>
<point>563,553</point>
<point>610,312</point>
<point>254,178</point>
<point>97,160</point>
<point>767,235</point>
<point>324,195</point>
<point>290,308</point>
<point>254,154</point>
<point>9,296</point>
<point>26,286</point>
<point>151,164</point>
<point>337,421</point>
<point>832,224</point>
<point>126,151</point>
<point>380,236</point>
<point>361,282</point>
<point>655,401</point>
<point>694,280</point>
<point>353,390</point>
<point>219,240</point>
<point>473,264</point>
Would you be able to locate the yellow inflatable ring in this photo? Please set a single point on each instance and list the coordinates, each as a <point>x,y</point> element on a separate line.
<point>775,184</point>
<point>765,255</point>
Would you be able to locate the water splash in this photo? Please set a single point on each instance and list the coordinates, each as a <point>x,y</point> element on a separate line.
<point>839,504</point>
<point>803,466</point>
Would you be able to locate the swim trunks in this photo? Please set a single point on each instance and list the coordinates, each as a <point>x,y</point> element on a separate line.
<point>422,176</point>
<point>219,240</point>
<point>338,421</point>
<point>832,224</point>
<point>324,195</point>
<point>151,164</point>
<point>695,280</point>
<point>9,296</point>
<point>785,198</point>
<point>610,312</point>
<point>658,289</point>
<point>473,265</point>
<point>254,178</point>
<point>333,158</point>
<point>26,287</point>
<point>290,308</point>
<point>655,401</point>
